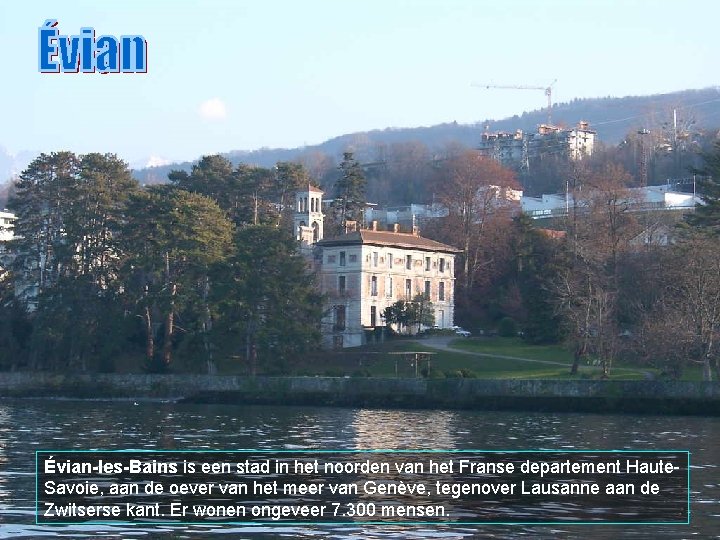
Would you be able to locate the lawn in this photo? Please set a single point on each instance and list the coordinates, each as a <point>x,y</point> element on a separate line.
<point>515,347</point>
<point>381,361</point>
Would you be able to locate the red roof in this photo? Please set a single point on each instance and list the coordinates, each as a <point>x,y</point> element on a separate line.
<point>387,238</point>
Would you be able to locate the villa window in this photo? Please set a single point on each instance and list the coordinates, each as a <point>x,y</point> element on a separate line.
<point>442,264</point>
<point>427,289</point>
<point>441,291</point>
<point>341,284</point>
<point>389,260</point>
<point>408,288</point>
<point>342,258</point>
<point>427,264</point>
<point>408,262</point>
<point>375,259</point>
<point>388,287</point>
<point>339,318</point>
<point>373,286</point>
<point>373,316</point>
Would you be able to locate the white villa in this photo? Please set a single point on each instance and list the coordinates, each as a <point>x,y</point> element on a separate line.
<point>364,271</point>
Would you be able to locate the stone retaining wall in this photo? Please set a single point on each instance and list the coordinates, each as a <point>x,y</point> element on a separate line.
<point>673,397</point>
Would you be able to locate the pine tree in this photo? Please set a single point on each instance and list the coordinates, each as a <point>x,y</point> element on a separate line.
<point>270,306</point>
<point>350,191</point>
<point>707,215</point>
<point>40,201</point>
<point>171,240</point>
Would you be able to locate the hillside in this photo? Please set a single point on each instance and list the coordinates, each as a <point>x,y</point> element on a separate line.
<point>612,117</point>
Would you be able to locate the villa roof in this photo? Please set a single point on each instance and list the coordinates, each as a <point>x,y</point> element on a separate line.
<point>387,238</point>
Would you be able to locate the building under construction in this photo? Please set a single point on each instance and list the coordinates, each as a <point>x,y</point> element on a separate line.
<point>517,149</point>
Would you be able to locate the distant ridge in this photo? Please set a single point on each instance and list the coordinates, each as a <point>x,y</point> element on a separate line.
<point>611,117</point>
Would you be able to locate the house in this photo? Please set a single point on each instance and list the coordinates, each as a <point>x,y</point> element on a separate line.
<point>363,271</point>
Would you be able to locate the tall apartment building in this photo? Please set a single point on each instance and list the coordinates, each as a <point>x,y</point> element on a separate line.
<point>516,149</point>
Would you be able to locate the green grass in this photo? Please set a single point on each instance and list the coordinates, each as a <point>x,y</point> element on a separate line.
<point>376,361</point>
<point>515,347</point>
<point>515,368</point>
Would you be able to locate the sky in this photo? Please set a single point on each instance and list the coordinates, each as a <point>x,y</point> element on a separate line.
<point>239,75</point>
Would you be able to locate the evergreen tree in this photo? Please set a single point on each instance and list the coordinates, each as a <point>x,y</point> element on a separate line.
<point>172,240</point>
<point>40,202</point>
<point>69,214</point>
<point>246,193</point>
<point>707,215</point>
<point>289,177</point>
<point>350,191</point>
<point>270,307</point>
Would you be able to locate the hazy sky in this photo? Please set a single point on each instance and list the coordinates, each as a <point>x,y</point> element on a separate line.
<point>226,75</point>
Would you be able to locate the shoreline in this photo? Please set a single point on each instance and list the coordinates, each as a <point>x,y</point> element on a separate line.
<point>651,397</point>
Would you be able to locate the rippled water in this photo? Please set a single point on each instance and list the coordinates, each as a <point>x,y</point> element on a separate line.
<point>26,426</point>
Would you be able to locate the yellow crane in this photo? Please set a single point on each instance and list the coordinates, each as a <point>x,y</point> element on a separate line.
<point>546,89</point>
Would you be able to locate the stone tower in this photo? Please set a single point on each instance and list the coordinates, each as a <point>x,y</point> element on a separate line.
<point>308,218</point>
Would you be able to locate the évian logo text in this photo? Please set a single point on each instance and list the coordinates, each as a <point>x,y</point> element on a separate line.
<point>84,53</point>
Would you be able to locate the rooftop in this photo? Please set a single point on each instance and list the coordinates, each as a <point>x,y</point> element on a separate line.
<point>387,238</point>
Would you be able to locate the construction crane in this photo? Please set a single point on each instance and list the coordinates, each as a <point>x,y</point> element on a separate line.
<point>546,89</point>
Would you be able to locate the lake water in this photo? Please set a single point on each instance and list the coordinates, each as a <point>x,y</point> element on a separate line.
<point>27,425</point>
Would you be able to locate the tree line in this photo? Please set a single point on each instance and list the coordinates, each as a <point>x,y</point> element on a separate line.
<point>611,281</point>
<point>205,267</point>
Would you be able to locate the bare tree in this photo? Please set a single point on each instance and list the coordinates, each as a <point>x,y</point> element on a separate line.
<point>600,226</point>
<point>475,191</point>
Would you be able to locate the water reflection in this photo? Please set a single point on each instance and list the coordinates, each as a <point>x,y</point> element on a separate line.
<point>29,425</point>
<point>403,429</point>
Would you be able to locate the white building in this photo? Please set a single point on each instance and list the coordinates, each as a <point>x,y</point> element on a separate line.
<point>406,216</point>
<point>516,149</point>
<point>364,271</point>
<point>7,226</point>
<point>641,199</point>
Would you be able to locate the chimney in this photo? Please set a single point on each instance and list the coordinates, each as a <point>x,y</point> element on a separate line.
<point>396,227</point>
<point>373,225</point>
<point>350,226</point>
<point>416,230</point>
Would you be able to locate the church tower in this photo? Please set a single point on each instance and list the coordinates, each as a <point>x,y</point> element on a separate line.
<point>308,218</point>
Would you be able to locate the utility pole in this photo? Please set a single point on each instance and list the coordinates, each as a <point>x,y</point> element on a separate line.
<point>643,157</point>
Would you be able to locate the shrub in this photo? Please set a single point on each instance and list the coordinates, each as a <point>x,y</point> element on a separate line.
<point>507,327</point>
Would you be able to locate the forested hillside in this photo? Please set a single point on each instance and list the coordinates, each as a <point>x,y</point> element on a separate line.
<point>613,118</point>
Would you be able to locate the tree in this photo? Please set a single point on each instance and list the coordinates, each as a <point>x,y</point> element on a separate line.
<point>600,226</point>
<point>289,177</point>
<point>474,191</point>
<point>39,202</point>
<point>171,240</point>
<point>68,257</point>
<point>416,313</point>
<point>269,305</point>
<point>421,312</point>
<point>94,216</point>
<point>695,295</point>
<point>349,191</point>
<point>538,260</point>
<point>245,193</point>
<point>707,215</point>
